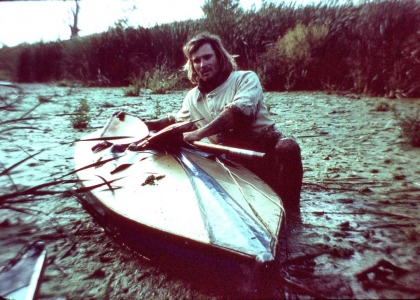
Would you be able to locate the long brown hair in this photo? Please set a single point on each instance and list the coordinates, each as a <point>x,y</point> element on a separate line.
<point>226,61</point>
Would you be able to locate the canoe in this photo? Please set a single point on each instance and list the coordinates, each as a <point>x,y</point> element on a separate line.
<point>170,198</point>
<point>22,277</point>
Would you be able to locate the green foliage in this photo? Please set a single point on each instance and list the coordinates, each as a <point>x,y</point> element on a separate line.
<point>136,84</point>
<point>80,118</point>
<point>294,55</point>
<point>158,110</point>
<point>222,17</point>
<point>297,44</point>
<point>81,62</point>
<point>159,80</point>
<point>410,126</point>
<point>385,35</point>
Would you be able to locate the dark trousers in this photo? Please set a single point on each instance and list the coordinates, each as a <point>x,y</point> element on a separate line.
<point>282,169</point>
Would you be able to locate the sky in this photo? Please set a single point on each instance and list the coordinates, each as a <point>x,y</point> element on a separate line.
<point>35,21</point>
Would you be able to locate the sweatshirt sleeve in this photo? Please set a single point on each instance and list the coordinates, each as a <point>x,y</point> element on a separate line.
<point>247,99</point>
<point>184,113</point>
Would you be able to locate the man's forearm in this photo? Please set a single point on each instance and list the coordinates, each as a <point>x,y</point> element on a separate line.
<point>222,123</point>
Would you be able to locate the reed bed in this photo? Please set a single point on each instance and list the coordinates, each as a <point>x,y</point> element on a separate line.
<point>370,48</point>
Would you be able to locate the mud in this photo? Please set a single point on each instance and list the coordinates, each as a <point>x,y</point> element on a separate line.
<point>359,203</point>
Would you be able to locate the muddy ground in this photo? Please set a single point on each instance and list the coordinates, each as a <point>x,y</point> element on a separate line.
<point>360,200</point>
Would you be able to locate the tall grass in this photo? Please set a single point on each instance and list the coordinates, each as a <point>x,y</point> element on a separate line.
<point>370,48</point>
<point>41,62</point>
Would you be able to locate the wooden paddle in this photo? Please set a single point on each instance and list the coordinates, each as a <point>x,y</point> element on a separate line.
<point>238,152</point>
<point>133,130</point>
<point>174,131</point>
<point>168,135</point>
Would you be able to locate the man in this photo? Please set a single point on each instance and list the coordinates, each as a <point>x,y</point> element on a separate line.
<point>232,112</point>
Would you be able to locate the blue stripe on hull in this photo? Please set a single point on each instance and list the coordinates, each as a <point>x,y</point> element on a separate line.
<point>227,223</point>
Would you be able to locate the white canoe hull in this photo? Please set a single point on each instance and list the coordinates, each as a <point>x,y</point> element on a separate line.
<point>179,200</point>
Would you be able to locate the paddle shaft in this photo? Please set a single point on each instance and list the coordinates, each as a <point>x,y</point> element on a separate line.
<point>240,153</point>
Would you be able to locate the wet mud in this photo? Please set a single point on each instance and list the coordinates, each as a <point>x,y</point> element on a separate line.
<point>356,235</point>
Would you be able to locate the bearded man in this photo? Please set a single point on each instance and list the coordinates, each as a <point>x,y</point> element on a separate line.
<point>229,105</point>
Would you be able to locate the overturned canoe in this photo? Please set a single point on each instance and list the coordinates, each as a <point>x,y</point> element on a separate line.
<point>180,200</point>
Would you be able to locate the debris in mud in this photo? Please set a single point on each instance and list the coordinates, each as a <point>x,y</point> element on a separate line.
<point>399,177</point>
<point>151,179</point>
<point>71,252</point>
<point>346,201</point>
<point>365,190</point>
<point>381,270</point>
<point>8,223</point>
<point>341,252</point>
<point>106,258</point>
<point>341,234</point>
<point>97,274</point>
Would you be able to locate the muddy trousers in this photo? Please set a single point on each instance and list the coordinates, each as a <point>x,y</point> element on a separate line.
<point>282,170</point>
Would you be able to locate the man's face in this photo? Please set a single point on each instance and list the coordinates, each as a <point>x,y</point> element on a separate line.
<point>205,63</point>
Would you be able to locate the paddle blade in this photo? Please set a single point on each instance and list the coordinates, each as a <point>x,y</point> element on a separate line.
<point>170,135</point>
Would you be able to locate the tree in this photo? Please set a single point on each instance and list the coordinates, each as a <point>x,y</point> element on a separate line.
<point>74,28</point>
<point>222,17</point>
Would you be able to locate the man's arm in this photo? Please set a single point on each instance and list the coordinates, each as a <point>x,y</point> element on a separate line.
<point>223,122</point>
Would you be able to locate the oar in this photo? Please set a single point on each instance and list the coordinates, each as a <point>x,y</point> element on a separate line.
<point>238,152</point>
<point>116,130</point>
<point>177,128</point>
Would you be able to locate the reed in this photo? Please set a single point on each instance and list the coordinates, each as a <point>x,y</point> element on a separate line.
<point>410,125</point>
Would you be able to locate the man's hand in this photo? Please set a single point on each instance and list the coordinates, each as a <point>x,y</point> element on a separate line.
<point>192,136</point>
<point>223,122</point>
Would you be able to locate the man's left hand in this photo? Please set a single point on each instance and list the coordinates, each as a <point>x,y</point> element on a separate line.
<point>192,136</point>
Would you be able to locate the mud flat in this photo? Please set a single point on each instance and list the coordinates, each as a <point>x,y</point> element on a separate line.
<point>356,236</point>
